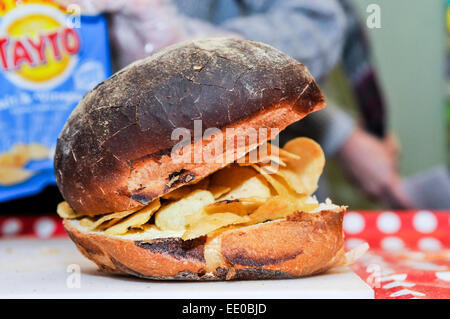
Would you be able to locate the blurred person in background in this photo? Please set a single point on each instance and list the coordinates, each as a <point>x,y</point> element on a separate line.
<point>317,33</point>
<point>367,154</point>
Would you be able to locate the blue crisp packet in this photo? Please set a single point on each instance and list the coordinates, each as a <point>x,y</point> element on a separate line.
<point>48,60</point>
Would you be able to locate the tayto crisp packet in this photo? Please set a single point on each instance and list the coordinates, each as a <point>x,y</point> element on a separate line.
<point>49,58</point>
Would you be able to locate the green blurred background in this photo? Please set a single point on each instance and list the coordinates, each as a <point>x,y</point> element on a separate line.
<point>409,52</point>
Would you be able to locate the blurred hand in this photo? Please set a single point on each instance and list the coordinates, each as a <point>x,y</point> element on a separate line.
<point>138,28</point>
<point>372,164</point>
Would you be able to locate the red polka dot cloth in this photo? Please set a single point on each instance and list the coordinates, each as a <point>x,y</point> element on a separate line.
<point>409,255</point>
<point>31,226</point>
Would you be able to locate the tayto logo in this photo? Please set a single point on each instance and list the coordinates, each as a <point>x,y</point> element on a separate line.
<point>37,50</point>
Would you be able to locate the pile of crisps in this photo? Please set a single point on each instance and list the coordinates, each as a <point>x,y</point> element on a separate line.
<point>12,163</point>
<point>255,189</point>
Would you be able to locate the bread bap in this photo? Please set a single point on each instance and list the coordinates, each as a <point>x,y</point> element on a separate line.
<point>303,244</point>
<point>114,158</point>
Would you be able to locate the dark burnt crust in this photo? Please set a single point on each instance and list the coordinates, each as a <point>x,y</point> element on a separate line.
<point>121,269</point>
<point>220,274</point>
<point>181,276</point>
<point>144,198</point>
<point>240,258</point>
<point>131,115</point>
<point>259,274</point>
<point>241,274</point>
<point>176,247</point>
<point>182,176</point>
<point>250,274</point>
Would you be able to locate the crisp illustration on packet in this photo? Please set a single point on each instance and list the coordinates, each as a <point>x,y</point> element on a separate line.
<point>49,58</point>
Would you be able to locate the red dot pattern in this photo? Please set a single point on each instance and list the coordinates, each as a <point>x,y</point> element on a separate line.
<point>30,227</point>
<point>373,234</point>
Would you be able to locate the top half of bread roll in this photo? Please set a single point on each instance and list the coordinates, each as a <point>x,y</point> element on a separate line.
<point>114,153</point>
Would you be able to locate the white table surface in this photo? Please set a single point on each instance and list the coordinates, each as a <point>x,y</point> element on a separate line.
<point>32,268</point>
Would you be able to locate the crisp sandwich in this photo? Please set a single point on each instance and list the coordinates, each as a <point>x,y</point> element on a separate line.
<point>238,195</point>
